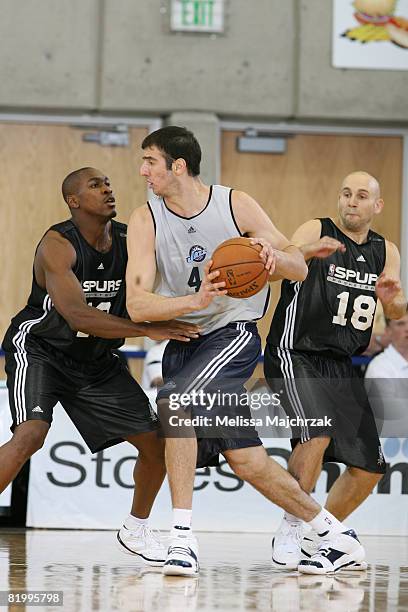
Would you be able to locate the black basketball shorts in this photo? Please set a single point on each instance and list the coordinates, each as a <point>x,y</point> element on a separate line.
<point>212,370</point>
<point>102,399</point>
<point>325,397</point>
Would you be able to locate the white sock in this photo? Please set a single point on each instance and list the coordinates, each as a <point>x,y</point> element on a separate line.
<point>134,523</point>
<point>325,523</point>
<point>291,518</point>
<point>181,525</point>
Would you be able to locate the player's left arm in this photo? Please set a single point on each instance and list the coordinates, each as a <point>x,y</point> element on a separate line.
<point>388,286</point>
<point>282,259</point>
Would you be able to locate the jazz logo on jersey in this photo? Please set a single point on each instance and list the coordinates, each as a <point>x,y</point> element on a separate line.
<point>197,254</point>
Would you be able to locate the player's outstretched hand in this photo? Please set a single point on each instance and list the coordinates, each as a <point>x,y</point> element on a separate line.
<point>267,254</point>
<point>209,289</point>
<point>387,288</point>
<point>172,330</point>
<point>323,248</point>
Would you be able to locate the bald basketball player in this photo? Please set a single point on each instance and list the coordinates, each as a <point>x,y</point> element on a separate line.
<point>170,241</point>
<point>318,325</point>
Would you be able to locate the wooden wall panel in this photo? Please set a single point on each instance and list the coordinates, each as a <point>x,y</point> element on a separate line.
<point>292,188</point>
<point>304,182</point>
<point>34,160</point>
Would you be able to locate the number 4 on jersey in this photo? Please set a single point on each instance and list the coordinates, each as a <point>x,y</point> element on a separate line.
<point>363,311</point>
<point>195,281</point>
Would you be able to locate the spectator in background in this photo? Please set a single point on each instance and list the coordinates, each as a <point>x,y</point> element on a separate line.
<point>393,361</point>
<point>387,384</point>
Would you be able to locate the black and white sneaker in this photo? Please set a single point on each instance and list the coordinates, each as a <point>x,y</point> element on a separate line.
<point>337,553</point>
<point>310,546</point>
<point>182,557</point>
<point>143,543</point>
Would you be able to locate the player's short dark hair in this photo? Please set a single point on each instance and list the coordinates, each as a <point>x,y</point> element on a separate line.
<point>71,182</point>
<point>176,142</point>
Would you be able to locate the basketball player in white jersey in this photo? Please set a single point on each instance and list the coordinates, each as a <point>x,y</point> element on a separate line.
<point>170,241</point>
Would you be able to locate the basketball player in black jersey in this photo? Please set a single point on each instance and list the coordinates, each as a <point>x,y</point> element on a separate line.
<point>317,326</point>
<point>60,347</point>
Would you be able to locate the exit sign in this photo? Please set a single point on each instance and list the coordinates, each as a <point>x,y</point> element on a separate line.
<point>197,15</point>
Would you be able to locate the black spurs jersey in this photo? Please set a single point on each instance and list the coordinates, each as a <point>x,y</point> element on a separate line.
<point>102,278</point>
<point>332,311</point>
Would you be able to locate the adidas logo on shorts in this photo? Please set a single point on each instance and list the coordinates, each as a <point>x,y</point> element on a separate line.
<point>37,409</point>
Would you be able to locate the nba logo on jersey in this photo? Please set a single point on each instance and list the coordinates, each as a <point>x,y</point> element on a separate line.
<point>197,253</point>
<point>332,269</point>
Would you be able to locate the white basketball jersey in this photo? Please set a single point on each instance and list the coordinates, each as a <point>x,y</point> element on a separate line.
<point>184,246</point>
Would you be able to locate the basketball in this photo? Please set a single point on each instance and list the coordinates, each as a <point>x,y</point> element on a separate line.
<point>240,267</point>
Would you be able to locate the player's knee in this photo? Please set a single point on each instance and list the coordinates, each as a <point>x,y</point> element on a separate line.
<point>29,440</point>
<point>153,456</point>
<point>35,441</point>
<point>153,452</point>
<point>318,442</point>
<point>317,446</point>
<point>369,477</point>
<point>246,468</point>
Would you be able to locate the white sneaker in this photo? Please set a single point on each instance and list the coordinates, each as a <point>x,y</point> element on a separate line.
<point>182,557</point>
<point>311,544</point>
<point>144,543</point>
<point>286,545</point>
<point>337,553</point>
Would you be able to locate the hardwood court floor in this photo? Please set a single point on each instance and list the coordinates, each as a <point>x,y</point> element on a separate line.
<point>236,575</point>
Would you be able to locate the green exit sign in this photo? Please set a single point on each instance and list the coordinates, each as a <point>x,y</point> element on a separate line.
<point>197,15</point>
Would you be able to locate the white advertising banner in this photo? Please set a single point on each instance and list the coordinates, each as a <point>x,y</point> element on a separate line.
<point>70,488</point>
<point>5,422</point>
<point>370,34</point>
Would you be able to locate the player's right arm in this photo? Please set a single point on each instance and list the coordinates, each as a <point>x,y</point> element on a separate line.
<point>307,239</point>
<point>53,265</point>
<point>141,303</point>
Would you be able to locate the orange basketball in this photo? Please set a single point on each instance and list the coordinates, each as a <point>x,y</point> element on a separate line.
<point>240,267</point>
